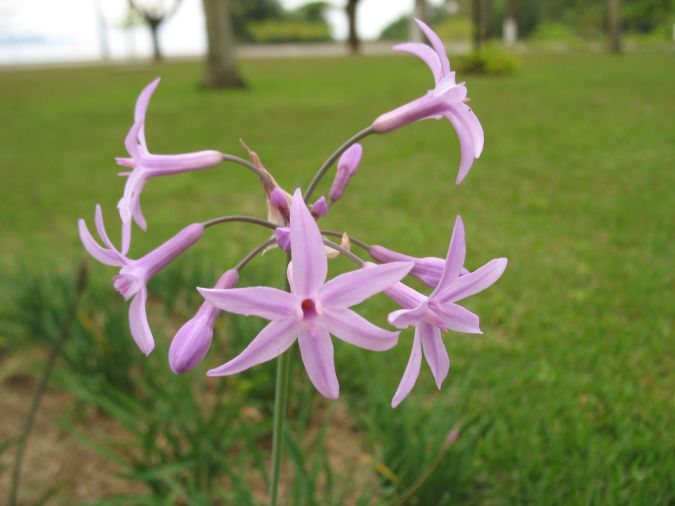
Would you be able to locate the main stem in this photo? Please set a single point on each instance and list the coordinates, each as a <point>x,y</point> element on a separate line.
<point>280,398</point>
<point>328,163</point>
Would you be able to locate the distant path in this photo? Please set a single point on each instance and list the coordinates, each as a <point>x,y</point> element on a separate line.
<point>246,52</point>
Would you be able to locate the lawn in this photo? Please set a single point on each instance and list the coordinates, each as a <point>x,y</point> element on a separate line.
<point>574,370</point>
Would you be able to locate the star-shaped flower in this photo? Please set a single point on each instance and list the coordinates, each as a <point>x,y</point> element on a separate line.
<point>447,99</point>
<point>134,274</point>
<point>439,312</point>
<point>312,311</point>
<point>146,165</point>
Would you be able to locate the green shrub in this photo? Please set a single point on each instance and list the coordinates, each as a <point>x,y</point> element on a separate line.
<point>490,60</point>
<point>288,30</point>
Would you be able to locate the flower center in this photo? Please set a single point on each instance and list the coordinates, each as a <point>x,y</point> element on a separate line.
<point>308,308</point>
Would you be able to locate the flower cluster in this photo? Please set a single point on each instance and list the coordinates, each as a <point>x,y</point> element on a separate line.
<point>313,308</point>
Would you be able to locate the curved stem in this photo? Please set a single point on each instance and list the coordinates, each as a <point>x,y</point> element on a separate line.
<point>239,218</point>
<point>358,242</point>
<point>280,401</point>
<point>80,285</point>
<point>327,164</point>
<point>267,179</point>
<point>345,252</point>
<point>254,253</point>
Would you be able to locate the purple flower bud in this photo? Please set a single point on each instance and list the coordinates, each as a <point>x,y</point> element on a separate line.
<point>279,200</point>
<point>320,207</point>
<point>347,165</point>
<point>283,237</point>
<point>193,340</point>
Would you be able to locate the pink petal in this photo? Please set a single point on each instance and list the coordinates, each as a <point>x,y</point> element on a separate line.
<point>435,352</point>
<point>161,165</point>
<point>271,342</point>
<point>265,302</point>
<point>132,189</point>
<point>126,237</point>
<point>437,44</point>
<point>468,118</point>
<point>317,355</point>
<point>424,53</point>
<point>131,141</point>
<point>354,287</point>
<point>411,373</point>
<point>310,263</point>
<point>475,281</point>
<point>100,228</point>
<point>459,319</point>
<point>143,100</point>
<point>105,256</point>
<point>454,259</point>
<point>465,143</point>
<point>406,317</point>
<point>138,322</point>
<point>347,325</point>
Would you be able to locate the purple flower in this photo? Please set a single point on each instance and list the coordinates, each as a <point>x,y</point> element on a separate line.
<point>134,274</point>
<point>346,168</point>
<point>193,340</point>
<point>438,312</point>
<point>320,207</point>
<point>427,269</point>
<point>283,237</point>
<point>447,100</point>
<point>145,165</point>
<point>312,310</point>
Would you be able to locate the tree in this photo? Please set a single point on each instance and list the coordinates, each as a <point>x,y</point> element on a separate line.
<point>420,11</point>
<point>614,25</point>
<point>510,30</point>
<point>221,61</point>
<point>154,14</point>
<point>353,38</point>
<point>477,17</point>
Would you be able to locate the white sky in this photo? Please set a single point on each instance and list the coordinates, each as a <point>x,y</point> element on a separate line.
<point>55,30</point>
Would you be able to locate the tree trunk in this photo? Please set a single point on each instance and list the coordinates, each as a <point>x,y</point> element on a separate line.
<point>510,30</point>
<point>614,25</point>
<point>486,21</point>
<point>153,24</point>
<point>221,60</point>
<point>353,38</point>
<point>420,11</point>
<point>477,16</point>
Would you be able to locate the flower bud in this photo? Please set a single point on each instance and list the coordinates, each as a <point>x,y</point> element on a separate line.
<point>193,340</point>
<point>320,207</point>
<point>347,165</point>
<point>283,237</point>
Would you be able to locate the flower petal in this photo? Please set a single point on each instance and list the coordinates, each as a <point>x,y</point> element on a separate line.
<point>435,352</point>
<point>454,260</point>
<point>144,99</point>
<point>406,317</point>
<point>317,355</point>
<point>132,190</point>
<point>136,211</point>
<point>262,301</point>
<point>138,322</point>
<point>271,342</point>
<point>310,263</point>
<point>437,44</point>
<point>352,328</point>
<point>424,53</point>
<point>459,319</point>
<point>411,373</point>
<point>475,281</point>
<point>466,116</point>
<point>356,286</point>
<point>105,256</point>
<point>100,228</point>
<point>466,145</point>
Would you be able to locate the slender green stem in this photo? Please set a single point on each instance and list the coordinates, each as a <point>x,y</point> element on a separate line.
<point>280,400</point>
<point>239,218</point>
<point>80,285</point>
<point>328,163</point>
<point>254,253</point>
<point>345,252</point>
<point>269,182</point>
<point>354,240</point>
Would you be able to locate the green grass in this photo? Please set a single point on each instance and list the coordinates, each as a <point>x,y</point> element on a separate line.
<point>575,187</point>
